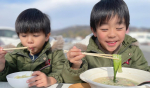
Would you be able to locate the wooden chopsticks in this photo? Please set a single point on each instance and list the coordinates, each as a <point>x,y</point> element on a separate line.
<point>7,49</point>
<point>97,54</point>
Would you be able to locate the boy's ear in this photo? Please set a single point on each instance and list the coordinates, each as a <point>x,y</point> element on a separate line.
<point>47,37</point>
<point>94,33</point>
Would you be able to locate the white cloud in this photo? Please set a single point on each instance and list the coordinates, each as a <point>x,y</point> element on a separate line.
<point>45,5</point>
<point>53,4</point>
<point>10,11</point>
<point>69,12</point>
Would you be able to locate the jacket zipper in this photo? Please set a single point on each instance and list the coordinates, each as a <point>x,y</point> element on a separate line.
<point>34,58</point>
<point>40,55</point>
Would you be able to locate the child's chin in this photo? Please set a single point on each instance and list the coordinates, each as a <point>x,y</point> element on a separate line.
<point>111,50</point>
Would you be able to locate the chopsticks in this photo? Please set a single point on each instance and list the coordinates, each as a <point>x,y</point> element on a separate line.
<point>7,49</point>
<point>97,54</point>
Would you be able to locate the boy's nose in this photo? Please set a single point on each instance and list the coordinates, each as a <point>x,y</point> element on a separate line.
<point>30,40</point>
<point>111,34</point>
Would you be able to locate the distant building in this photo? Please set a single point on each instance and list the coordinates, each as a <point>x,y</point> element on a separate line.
<point>142,37</point>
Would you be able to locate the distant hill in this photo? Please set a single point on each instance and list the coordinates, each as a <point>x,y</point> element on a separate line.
<point>82,31</point>
<point>132,29</point>
<point>73,31</point>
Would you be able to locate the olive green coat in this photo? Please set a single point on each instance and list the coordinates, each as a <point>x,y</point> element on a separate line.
<point>128,50</point>
<point>19,60</point>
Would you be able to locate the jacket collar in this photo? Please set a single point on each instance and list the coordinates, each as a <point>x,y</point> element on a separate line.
<point>128,41</point>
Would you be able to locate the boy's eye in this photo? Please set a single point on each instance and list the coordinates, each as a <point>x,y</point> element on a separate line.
<point>35,35</point>
<point>119,28</point>
<point>23,35</point>
<point>104,29</point>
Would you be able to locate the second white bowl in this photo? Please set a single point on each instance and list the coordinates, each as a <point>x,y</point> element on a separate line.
<point>21,82</point>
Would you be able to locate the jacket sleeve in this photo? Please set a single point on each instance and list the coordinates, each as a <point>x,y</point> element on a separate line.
<point>58,59</point>
<point>72,76</point>
<point>139,60</point>
<point>10,67</point>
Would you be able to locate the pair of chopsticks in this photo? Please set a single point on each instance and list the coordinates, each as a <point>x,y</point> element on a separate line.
<point>97,54</point>
<point>7,49</point>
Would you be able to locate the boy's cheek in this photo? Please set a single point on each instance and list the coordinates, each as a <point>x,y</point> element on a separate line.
<point>101,35</point>
<point>1,48</point>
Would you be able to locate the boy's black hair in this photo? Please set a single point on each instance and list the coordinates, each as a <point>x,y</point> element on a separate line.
<point>105,9</point>
<point>32,20</point>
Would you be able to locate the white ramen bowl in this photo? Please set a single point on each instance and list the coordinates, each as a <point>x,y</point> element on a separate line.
<point>136,75</point>
<point>19,83</point>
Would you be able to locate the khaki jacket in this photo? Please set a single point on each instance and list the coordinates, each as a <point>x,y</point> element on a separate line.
<point>19,60</point>
<point>129,51</point>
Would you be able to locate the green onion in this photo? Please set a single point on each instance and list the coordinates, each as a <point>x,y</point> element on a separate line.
<point>117,65</point>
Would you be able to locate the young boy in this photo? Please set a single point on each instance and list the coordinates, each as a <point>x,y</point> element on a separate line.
<point>109,22</point>
<point>33,29</point>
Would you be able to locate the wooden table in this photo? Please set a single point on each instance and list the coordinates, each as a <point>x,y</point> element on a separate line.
<point>6,85</point>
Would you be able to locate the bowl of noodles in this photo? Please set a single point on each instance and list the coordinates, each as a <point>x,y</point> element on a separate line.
<point>18,79</point>
<point>103,78</point>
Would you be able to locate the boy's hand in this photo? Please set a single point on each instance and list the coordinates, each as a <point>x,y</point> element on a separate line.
<point>41,80</point>
<point>2,59</point>
<point>74,56</point>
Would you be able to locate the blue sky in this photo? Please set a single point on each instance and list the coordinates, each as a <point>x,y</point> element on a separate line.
<point>65,13</point>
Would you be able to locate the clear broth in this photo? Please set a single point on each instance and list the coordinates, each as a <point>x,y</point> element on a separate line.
<point>23,76</point>
<point>119,81</point>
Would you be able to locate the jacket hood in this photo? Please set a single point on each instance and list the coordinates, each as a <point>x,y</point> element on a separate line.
<point>57,43</point>
<point>130,40</point>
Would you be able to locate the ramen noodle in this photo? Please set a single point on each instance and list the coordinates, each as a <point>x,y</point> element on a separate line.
<point>25,76</point>
<point>31,53</point>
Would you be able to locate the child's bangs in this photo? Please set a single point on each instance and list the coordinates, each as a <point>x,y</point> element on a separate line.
<point>103,17</point>
<point>106,17</point>
<point>32,22</point>
<point>29,26</point>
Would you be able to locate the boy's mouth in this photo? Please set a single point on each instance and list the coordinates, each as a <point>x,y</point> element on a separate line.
<point>111,43</point>
<point>31,48</point>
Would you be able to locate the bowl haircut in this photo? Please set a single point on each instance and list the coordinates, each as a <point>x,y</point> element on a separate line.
<point>33,21</point>
<point>104,10</point>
